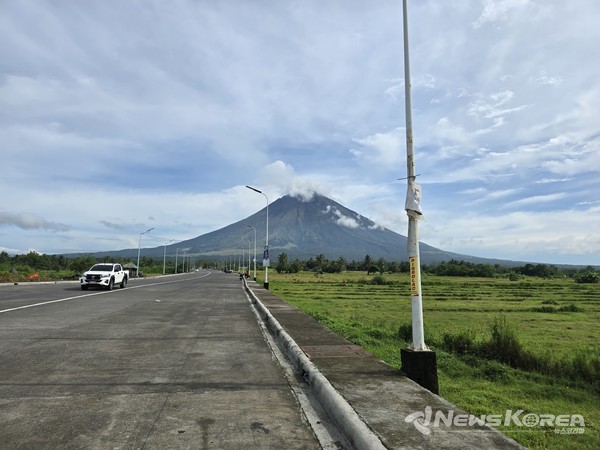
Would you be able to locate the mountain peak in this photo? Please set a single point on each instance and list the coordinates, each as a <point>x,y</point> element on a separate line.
<point>320,208</point>
<point>304,226</point>
<point>303,196</point>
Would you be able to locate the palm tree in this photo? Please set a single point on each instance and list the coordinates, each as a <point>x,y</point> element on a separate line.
<point>367,262</point>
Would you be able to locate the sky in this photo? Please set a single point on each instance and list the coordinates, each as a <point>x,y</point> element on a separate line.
<point>117,116</point>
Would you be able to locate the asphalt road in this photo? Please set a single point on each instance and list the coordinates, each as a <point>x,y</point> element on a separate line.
<point>174,362</point>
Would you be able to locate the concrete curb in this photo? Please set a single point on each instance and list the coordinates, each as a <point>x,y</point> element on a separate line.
<point>346,419</point>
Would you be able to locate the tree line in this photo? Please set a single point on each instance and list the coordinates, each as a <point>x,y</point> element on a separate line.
<point>34,261</point>
<point>318,264</point>
<point>452,268</point>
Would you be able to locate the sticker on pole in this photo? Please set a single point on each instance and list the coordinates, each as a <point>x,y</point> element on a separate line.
<point>414,276</point>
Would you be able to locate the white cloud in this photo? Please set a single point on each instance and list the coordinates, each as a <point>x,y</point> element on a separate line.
<point>341,219</point>
<point>345,221</point>
<point>543,78</point>
<point>497,10</point>
<point>490,107</point>
<point>494,195</point>
<point>348,222</point>
<point>580,159</point>
<point>518,235</point>
<point>535,200</point>
<point>381,149</point>
<point>28,221</point>
<point>553,180</point>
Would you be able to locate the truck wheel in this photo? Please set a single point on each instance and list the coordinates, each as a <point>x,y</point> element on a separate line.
<point>123,283</point>
<point>111,284</point>
<point>84,288</point>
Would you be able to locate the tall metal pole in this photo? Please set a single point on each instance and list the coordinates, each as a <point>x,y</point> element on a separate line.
<point>413,222</point>
<point>165,256</point>
<point>248,241</point>
<point>266,261</point>
<point>139,249</point>
<point>418,362</point>
<point>250,226</point>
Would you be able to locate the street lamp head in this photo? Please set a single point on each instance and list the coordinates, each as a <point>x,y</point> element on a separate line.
<point>254,189</point>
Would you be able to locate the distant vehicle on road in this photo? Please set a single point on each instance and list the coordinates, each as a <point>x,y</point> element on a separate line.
<point>104,275</point>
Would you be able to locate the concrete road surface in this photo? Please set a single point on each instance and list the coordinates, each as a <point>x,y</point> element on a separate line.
<point>175,362</point>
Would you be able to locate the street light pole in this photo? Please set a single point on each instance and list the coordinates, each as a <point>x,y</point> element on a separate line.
<point>248,256</point>
<point>412,210</point>
<point>248,241</point>
<point>139,249</point>
<point>418,362</point>
<point>250,226</point>
<point>165,256</point>
<point>266,252</point>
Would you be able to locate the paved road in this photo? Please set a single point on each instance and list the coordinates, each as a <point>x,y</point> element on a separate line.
<point>176,362</point>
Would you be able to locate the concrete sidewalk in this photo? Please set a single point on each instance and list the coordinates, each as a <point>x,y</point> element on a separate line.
<point>390,407</point>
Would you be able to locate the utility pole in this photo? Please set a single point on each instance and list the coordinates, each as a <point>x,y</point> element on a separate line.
<point>418,362</point>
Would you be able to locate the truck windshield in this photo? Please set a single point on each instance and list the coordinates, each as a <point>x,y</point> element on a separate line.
<point>102,268</point>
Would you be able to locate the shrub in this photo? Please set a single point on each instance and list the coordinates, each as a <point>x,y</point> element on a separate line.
<point>549,302</point>
<point>494,371</point>
<point>570,308</point>
<point>461,343</point>
<point>551,309</point>
<point>405,332</point>
<point>377,333</point>
<point>544,309</point>
<point>503,345</point>
<point>373,269</point>
<point>379,280</point>
<point>585,365</point>
<point>587,277</point>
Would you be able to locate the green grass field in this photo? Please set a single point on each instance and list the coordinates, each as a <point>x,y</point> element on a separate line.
<point>555,323</point>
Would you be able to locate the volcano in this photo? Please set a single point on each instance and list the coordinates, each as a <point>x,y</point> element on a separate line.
<point>303,229</point>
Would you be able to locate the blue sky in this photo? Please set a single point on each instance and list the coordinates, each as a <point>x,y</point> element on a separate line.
<point>118,116</point>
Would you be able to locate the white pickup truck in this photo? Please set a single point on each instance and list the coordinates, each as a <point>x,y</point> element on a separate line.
<point>104,275</point>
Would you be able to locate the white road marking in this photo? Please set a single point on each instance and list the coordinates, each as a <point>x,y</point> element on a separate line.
<point>95,293</point>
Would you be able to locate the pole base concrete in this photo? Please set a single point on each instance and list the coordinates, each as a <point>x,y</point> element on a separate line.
<point>266,285</point>
<point>421,367</point>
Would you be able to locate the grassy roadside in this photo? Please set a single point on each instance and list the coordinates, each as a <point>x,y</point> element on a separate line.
<point>52,275</point>
<point>38,275</point>
<point>551,324</point>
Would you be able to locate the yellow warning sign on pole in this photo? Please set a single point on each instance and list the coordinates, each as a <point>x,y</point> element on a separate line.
<point>414,276</point>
